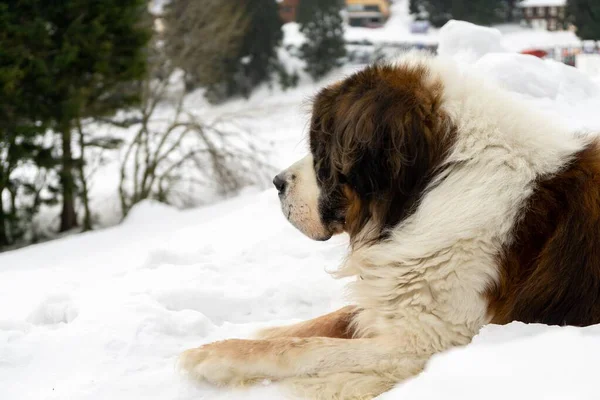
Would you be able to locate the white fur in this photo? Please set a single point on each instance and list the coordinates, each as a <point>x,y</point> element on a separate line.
<point>300,200</point>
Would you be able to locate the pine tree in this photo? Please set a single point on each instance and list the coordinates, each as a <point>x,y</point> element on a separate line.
<point>21,124</point>
<point>511,10</point>
<point>79,53</point>
<point>321,23</point>
<point>439,11</point>
<point>413,7</point>
<point>585,15</point>
<point>257,58</point>
<point>480,12</point>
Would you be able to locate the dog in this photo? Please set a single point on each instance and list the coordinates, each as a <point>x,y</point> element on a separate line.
<point>463,206</point>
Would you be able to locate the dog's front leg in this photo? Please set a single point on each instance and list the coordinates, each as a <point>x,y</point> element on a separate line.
<point>233,362</point>
<point>337,324</point>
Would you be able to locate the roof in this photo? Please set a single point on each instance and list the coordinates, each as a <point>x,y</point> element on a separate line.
<point>384,5</point>
<point>543,3</point>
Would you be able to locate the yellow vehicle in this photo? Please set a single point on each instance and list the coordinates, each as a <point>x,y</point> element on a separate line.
<point>367,13</point>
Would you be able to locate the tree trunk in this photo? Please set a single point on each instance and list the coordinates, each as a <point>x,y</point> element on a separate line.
<point>14,229</point>
<point>510,13</point>
<point>4,240</point>
<point>68,217</point>
<point>87,217</point>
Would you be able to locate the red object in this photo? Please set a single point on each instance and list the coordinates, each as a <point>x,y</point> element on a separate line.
<point>537,53</point>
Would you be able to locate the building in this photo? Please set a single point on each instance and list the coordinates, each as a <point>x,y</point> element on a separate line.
<point>545,14</point>
<point>367,13</point>
<point>287,10</point>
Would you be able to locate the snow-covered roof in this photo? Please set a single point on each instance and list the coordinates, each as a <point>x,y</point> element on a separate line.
<point>543,3</point>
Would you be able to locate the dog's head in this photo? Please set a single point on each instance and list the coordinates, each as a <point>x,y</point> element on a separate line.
<point>376,140</point>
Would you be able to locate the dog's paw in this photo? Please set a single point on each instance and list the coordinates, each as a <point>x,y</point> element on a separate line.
<point>225,363</point>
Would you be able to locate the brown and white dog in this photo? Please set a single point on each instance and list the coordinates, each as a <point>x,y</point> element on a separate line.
<point>463,206</point>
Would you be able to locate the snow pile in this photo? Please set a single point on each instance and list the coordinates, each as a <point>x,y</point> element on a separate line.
<point>516,361</point>
<point>103,315</point>
<point>527,39</point>
<point>469,40</point>
<point>532,76</point>
<point>565,92</point>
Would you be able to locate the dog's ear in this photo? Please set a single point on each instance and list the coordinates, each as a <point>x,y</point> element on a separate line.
<point>387,135</point>
<point>394,158</point>
<point>384,144</point>
<point>380,133</point>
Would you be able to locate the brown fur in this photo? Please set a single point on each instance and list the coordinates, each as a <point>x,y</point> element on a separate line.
<point>334,325</point>
<point>354,211</point>
<point>551,272</point>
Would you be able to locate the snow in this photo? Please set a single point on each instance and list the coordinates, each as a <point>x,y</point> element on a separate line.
<point>157,6</point>
<point>588,63</point>
<point>543,3</point>
<point>103,315</point>
<point>292,35</point>
<point>470,40</point>
<point>515,361</point>
<point>473,41</point>
<point>538,78</point>
<point>525,38</point>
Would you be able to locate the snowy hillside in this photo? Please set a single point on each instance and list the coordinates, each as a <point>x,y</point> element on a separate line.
<point>103,315</point>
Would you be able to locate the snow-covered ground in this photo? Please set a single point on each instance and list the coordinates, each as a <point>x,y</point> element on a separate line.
<point>103,315</point>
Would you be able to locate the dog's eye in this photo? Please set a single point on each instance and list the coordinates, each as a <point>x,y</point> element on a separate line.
<point>343,179</point>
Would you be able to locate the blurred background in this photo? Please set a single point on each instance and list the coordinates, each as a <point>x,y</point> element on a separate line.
<point>108,103</point>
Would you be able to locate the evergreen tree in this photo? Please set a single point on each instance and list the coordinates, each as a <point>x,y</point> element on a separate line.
<point>258,59</point>
<point>21,125</point>
<point>585,15</point>
<point>480,12</point>
<point>322,25</point>
<point>79,53</point>
<point>413,7</point>
<point>511,10</point>
<point>438,12</point>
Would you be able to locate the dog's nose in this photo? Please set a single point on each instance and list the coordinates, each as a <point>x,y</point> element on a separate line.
<point>279,183</point>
